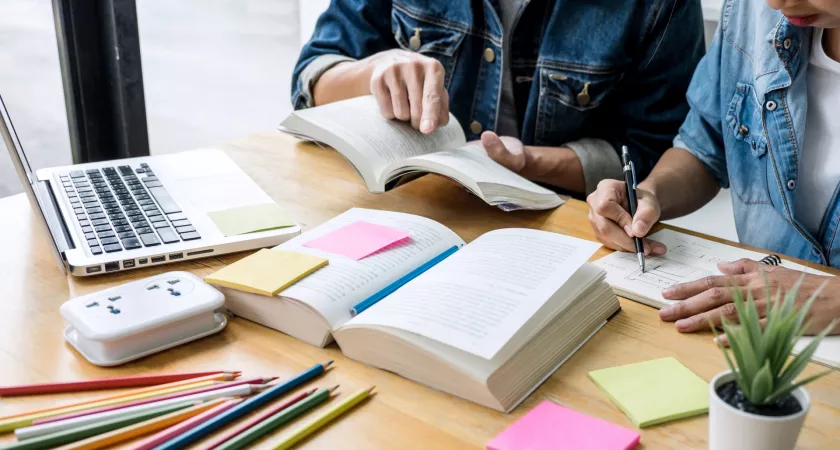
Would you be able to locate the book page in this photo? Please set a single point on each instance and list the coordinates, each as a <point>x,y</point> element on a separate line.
<point>478,298</point>
<point>335,289</point>
<point>379,141</point>
<point>688,258</point>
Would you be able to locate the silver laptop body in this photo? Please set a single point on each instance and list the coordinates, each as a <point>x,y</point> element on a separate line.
<point>138,212</point>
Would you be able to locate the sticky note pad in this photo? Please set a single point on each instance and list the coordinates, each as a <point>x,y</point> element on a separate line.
<point>357,240</point>
<point>551,427</point>
<point>267,272</point>
<point>654,391</point>
<point>250,219</point>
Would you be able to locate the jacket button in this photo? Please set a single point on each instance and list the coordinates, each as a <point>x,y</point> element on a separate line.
<point>414,42</point>
<point>787,43</point>
<point>791,185</point>
<point>744,130</point>
<point>475,127</point>
<point>770,105</point>
<point>489,55</point>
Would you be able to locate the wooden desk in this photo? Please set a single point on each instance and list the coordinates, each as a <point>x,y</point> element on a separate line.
<point>314,185</point>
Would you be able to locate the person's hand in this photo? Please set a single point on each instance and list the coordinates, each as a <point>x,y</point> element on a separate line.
<point>410,87</point>
<point>611,221</point>
<point>505,150</point>
<point>704,302</point>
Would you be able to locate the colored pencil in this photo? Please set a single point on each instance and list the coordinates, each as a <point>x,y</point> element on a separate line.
<point>77,434</point>
<point>193,383</point>
<point>164,435</point>
<point>149,426</point>
<point>277,420</point>
<point>54,427</point>
<point>328,416</point>
<point>153,400</point>
<point>27,420</point>
<point>102,383</point>
<point>243,408</point>
<point>246,425</point>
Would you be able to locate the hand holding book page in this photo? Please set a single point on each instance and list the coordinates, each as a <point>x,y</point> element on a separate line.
<point>335,289</point>
<point>478,298</point>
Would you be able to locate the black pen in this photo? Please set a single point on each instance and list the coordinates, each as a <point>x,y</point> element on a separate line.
<point>630,180</point>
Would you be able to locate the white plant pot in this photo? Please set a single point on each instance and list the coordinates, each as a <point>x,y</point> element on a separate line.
<point>731,428</point>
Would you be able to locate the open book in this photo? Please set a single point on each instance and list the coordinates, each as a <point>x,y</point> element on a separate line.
<point>489,323</point>
<point>383,151</point>
<point>691,258</point>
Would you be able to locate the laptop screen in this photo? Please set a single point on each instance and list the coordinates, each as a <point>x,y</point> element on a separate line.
<point>13,143</point>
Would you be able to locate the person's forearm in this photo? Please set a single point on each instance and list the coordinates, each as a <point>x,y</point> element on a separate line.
<point>342,81</point>
<point>681,182</point>
<point>557,166</point>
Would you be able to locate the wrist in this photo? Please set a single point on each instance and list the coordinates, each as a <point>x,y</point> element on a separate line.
<point>344,80</point>
<point>557,166</point>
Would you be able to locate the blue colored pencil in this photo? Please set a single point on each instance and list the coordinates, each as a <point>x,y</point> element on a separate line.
<point>388,290</point>
<point>243,408</point>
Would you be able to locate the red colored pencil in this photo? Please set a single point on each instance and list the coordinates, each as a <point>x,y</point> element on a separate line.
<point>152,400</point>
<point>103,383</point>
<point>175,430</point>
<point>233,432</point>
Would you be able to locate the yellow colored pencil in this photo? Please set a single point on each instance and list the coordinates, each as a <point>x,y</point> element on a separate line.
<point>224,376</point>
<point>330,415</point>
<point>150,426</point>
<point>27,420</point>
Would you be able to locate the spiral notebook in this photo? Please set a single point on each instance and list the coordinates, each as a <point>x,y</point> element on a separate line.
<point>691,258</point>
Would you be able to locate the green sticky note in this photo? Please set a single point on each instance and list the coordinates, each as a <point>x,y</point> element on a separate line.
<point>655,391</point>
<point>250,219</point>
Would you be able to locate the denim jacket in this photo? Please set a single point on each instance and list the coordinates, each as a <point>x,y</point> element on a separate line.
<point>612,70</point>
<point>747,123</point>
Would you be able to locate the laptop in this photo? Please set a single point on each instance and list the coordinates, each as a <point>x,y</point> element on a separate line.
<point>131,213</point>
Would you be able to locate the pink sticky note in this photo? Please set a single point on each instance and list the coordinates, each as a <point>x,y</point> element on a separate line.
<point>553,427</point>
<point>357,240</point>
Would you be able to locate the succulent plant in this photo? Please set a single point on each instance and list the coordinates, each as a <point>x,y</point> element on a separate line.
<point>760,360</point>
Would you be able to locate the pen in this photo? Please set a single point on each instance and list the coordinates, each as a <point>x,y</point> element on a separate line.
<point>630,180</point>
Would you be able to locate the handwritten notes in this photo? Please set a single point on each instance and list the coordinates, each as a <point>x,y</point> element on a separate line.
<point>250,219</point>
<point>357,240</point>
<point>550,427</point>
<point>655,391</point>
<point>266,272</point>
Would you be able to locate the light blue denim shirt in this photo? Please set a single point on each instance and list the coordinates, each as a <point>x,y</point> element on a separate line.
<point>748,102</point>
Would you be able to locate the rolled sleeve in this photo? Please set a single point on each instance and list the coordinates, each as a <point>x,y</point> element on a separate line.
<point>700,145</point>
<point>312,72</point>
<point>599,161</point>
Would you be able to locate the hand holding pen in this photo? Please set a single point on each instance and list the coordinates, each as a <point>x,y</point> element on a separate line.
<point>612,221</point>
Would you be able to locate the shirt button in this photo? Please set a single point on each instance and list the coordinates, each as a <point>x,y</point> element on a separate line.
<point>770,105</point>
<point>475,127</point>
<point>791,185</point>
<point>489,55</point>
<point>744,130</point>
<point>787,43</point>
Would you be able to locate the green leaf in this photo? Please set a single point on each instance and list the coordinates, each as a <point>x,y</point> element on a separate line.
<point>797,365</point>
<point>762,385</point>
<point>784,390</point>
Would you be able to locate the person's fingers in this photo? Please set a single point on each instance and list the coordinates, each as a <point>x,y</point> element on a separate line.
<point>682,291</point>
<point>380,91</point>
<point>433,93</point>
<point>496,149</point>
<point>711,295</point>
<point>647,214</point>
<point>713,318</point>
<point>414,78</point>
<point>656,248</point>
<point>444,110</point>
<point>724,341</point>
<point>399,96</point>
<point>608,233</point>
<point>743,266</point>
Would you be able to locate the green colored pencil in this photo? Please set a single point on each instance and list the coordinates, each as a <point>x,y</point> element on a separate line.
<point>83,432</point>
<point>275,421</point>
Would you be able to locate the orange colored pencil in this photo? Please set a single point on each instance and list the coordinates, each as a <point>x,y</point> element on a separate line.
<point>226,376</point>
<point>164,435</point>
<point>102,383</point>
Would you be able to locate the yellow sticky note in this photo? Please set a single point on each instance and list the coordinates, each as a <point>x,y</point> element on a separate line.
<point>250,219</point>
<point>267,272</point>
<point>655,391</point>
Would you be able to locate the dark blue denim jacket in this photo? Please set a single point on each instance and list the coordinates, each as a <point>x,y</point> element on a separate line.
<point>633,59</point>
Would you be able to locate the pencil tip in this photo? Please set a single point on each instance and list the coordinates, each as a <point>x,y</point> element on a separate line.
<point>370,389</point>
<point>327,364</point>
<point>333,388</point>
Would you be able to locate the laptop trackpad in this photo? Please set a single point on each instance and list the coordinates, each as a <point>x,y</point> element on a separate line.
<point>220,192</point>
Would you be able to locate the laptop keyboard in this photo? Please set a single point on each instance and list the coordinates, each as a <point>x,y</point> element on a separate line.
<point>124,208</point>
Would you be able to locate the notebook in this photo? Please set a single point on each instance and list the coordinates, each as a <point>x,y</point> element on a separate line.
<point>551,427</point>
<point>653,392</point>
<point>488,323</point>
<point>691,258</point>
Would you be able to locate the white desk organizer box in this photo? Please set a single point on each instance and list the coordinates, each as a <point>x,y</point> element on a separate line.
<point>137,319</point>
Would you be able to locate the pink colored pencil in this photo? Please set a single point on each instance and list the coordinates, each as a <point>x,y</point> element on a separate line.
<point>102,383</point>
<point>233,432</point>
<point>152,400</point>
<point>176,430</point>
